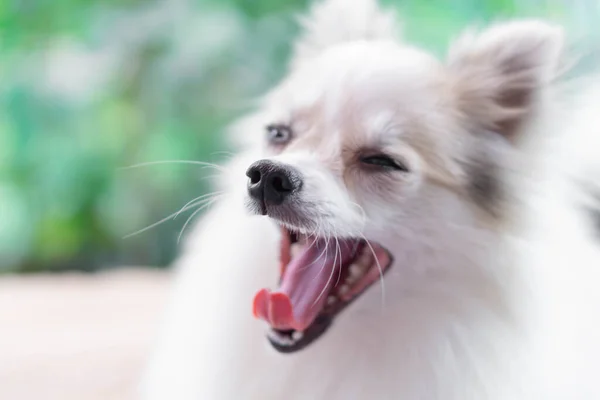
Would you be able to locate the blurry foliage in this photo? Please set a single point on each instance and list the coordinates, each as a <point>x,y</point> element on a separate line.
<point>89,86</point>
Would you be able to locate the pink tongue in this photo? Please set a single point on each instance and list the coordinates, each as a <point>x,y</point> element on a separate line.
<point>304,286</point>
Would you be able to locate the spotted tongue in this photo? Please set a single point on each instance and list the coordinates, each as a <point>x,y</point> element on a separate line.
<point>304,285</point>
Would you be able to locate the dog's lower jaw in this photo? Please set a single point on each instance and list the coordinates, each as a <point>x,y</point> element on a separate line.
<point>453,340</point>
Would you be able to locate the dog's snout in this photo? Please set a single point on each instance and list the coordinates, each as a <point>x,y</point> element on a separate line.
<point>271,183</point>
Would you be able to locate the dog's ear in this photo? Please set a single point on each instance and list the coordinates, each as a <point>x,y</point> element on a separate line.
<point>331,22</point>
<point>500,74</point>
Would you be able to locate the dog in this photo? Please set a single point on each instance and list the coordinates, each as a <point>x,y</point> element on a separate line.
<point>398,227</point>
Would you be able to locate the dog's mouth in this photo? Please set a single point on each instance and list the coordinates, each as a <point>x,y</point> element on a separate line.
<point>319,279</point>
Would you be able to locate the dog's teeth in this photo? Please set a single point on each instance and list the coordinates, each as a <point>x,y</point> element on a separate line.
<point>295,249</point>
<point>281,340</point>
<point>356,271</point>
<point>297,335</point>
<point>365,259</point>
<point>343,289</point>
<point>331,300</point>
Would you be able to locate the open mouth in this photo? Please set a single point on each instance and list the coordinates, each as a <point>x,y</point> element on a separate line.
<point>319,279</point>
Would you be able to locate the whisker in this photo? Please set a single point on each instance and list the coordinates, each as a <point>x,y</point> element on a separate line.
<point>322,254</point>
<point>187,222</point>
<point>340,270</point>
<point>165,219</point>
<point>312,244</point>
<point>380,272</point>
<point>207,204</point>
<point>211,176</point>
<point>191,162</point>
<point>203,197</point>
<point>318,258</point>
<point>225,153</point>
<point>363,214</point>
<point>335,255</point>
<point>330,276</point>
<point>314,234</point>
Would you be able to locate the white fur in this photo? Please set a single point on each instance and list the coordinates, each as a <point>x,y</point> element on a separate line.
<point>475,307</point>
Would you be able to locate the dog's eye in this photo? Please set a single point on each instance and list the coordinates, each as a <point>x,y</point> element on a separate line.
<point>278,134</point>
<point>383,161</point>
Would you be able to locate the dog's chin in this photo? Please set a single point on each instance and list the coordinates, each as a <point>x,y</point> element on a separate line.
<point>319,278</point>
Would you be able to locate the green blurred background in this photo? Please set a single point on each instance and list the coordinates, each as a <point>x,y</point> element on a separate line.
<point>90,86</point>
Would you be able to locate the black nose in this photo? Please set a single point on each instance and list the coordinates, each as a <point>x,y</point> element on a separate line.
<point>271,183</point>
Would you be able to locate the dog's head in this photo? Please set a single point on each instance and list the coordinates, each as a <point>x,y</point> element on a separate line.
<point>375,151</point>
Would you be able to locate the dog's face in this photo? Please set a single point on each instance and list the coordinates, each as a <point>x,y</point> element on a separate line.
<point>361,129</point>
<point>372,149</point>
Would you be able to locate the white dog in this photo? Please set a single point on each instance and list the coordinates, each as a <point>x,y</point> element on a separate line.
<point>398,227</point>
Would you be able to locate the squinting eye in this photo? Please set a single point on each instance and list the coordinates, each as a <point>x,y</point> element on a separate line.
<point>385,162</point>
<point>278,134</point>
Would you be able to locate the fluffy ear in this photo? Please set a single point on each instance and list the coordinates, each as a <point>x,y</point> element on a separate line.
<point>500,74</point>
<point>332,22</point>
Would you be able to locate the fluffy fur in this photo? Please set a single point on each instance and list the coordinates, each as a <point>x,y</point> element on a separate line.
<point>493,292</point>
